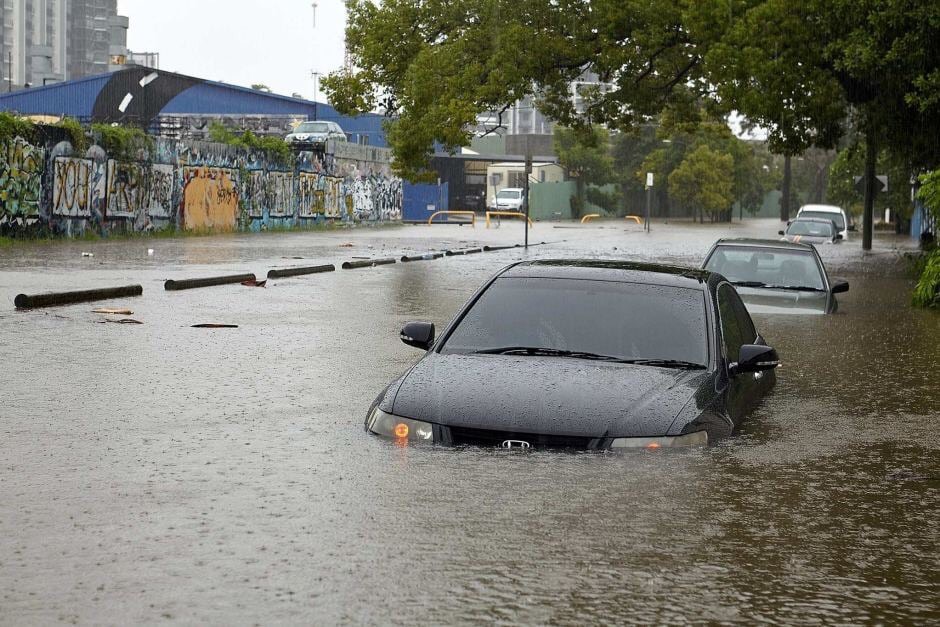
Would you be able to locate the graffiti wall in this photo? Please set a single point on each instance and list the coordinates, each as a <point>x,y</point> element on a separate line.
<point>190,186</point>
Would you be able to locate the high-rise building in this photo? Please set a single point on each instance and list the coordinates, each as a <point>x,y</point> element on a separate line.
<point>46,41</point>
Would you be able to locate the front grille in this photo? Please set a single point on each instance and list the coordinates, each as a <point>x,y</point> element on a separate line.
<point>463,436</point>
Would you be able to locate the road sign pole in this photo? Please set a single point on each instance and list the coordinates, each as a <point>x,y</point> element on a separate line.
<point>525,191</point>
<point>649,200</point>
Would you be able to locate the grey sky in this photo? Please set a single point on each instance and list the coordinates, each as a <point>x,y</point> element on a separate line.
<point>241,41</point>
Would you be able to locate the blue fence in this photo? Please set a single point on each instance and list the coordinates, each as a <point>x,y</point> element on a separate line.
<point>420,201</point>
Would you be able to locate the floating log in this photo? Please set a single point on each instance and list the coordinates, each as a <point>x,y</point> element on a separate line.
<point>51,299</point>
<point>188,284</point>
<point>366,263</point>
<point>488,249</point>
<point>425,257</point>
<point>289,272</point>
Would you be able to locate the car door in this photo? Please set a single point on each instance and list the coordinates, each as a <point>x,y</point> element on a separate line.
<point>737,329</point>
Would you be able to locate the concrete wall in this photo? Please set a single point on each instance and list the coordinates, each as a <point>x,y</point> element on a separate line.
<point>190,186</point>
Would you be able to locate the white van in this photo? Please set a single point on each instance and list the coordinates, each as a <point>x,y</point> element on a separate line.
<point>842,220</point>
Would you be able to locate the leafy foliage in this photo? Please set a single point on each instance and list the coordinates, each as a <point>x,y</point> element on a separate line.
<point>274,146</point>
<point>77,135</point>
<point>850,163</point>
<point>12,127</point>
<point>585,154</point>
<point>704,180</point>
<point>126,143</point>
<point>927,291</point>
<point>609,201</point>
<point>929,192</point>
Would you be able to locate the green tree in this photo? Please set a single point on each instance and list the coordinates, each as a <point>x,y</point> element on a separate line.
<point>261,87</point>
<point>850,164</point>
<point>451,61</point>
<point>585,154</point>
<point>704,181</point>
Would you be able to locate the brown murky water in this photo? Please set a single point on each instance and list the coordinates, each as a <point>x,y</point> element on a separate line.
<point>159,473</point>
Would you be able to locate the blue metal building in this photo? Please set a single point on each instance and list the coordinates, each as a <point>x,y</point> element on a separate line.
<point>144,96</point>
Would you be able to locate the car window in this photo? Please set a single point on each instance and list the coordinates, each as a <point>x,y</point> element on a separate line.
<point>769,266</point>
<point>312,127</point>
<point>838,218</point>
<point>813,229</point>
<point>623,320</point>
<point>733,333</point>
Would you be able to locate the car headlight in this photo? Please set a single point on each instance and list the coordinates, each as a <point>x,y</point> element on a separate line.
<point>398,428</point>
<point>699,438</point>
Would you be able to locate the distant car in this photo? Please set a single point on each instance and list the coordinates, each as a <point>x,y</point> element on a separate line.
<point>776,277</point>
<point>839,217</point>
<point>508,199</point>
<point>582,354</point>
<point>314,135</point>
<point>812,231</point>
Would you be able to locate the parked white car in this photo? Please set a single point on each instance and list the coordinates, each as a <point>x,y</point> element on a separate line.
<point>839,217</point>
<point>508,199</point>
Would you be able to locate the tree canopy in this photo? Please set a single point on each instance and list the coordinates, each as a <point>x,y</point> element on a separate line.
<point>803,69</point>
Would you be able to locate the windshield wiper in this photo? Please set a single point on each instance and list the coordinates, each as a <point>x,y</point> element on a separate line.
<point>775,287</point>
<point>557,352</point>
<point>664,363</point>
<point>794,287</point>
<point>535,350</point>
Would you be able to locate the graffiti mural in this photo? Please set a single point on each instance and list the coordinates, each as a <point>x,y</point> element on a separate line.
<point>160,186</point>
<point>189,185</point>
<point>210,198</point>
<point>319,195</point>
<point>21,168</point>
<point>78,186</point>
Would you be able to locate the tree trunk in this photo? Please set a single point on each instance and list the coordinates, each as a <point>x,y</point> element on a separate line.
<point>785,198</point>
<point>579,191</point>
<point>871,160</point>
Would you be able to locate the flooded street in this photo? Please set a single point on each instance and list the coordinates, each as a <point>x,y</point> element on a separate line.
<point>160,473</point>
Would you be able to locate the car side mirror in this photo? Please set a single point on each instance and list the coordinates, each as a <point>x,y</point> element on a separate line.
<point>418,334</point>
<point>754,358</point>
<point>840,286</point>
<point>780,233</point>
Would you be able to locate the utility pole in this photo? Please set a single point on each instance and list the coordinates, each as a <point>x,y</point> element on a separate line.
<point>525,188</point>
<point>785,198</point>
<point>871,162</point>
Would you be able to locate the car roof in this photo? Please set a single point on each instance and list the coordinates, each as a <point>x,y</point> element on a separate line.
<point>611,270</point>
<point>762,243</point>
<point>825,208</point>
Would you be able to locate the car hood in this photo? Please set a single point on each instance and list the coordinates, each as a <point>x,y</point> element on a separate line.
<point>545,395</point>
<point>762,300</point>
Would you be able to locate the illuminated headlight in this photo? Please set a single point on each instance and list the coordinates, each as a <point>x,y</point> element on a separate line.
<point>400,429</point>
<point>699,438</point>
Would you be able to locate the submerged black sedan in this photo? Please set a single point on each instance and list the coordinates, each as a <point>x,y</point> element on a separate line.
<point>584,355</point>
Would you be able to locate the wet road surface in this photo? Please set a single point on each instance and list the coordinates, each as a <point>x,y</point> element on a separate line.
<point>159,473</point>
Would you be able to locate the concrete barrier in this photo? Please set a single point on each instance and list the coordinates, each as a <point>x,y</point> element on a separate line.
<point>189,284</point>
<point>51,299</point>
<point>289,272</point>
<point>367,263</point>
<point>425,257</point>
<point>466,251</point>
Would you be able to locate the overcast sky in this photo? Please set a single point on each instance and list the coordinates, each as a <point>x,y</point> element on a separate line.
<point>241,41</point>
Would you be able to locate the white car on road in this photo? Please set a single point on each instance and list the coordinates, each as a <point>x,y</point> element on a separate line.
<point>839,217</point>
<point>508,199</point>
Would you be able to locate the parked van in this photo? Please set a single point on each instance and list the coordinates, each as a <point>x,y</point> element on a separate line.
<point>842,220</point>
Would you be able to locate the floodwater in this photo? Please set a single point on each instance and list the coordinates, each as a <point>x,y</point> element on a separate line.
<point>158,473</point>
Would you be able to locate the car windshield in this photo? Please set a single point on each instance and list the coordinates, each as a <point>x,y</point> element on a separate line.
<point>312,127</point>
<point>826,215</point>
<point>627,321</point>
<point>811,228</point>
<point>510,194</point>
<point>767,267</point>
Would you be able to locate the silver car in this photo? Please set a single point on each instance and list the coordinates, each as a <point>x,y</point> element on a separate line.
<point>314,135</point>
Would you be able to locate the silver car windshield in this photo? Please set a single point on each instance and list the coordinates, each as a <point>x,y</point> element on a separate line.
<point>771,267</point>
<point>312,127</point>
<point>825,215</point>
<point>625,321</point>
<point>813,229</point>
<point>508,195</point>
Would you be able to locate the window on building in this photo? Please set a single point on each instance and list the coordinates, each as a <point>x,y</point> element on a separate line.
<point>516,179</point>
